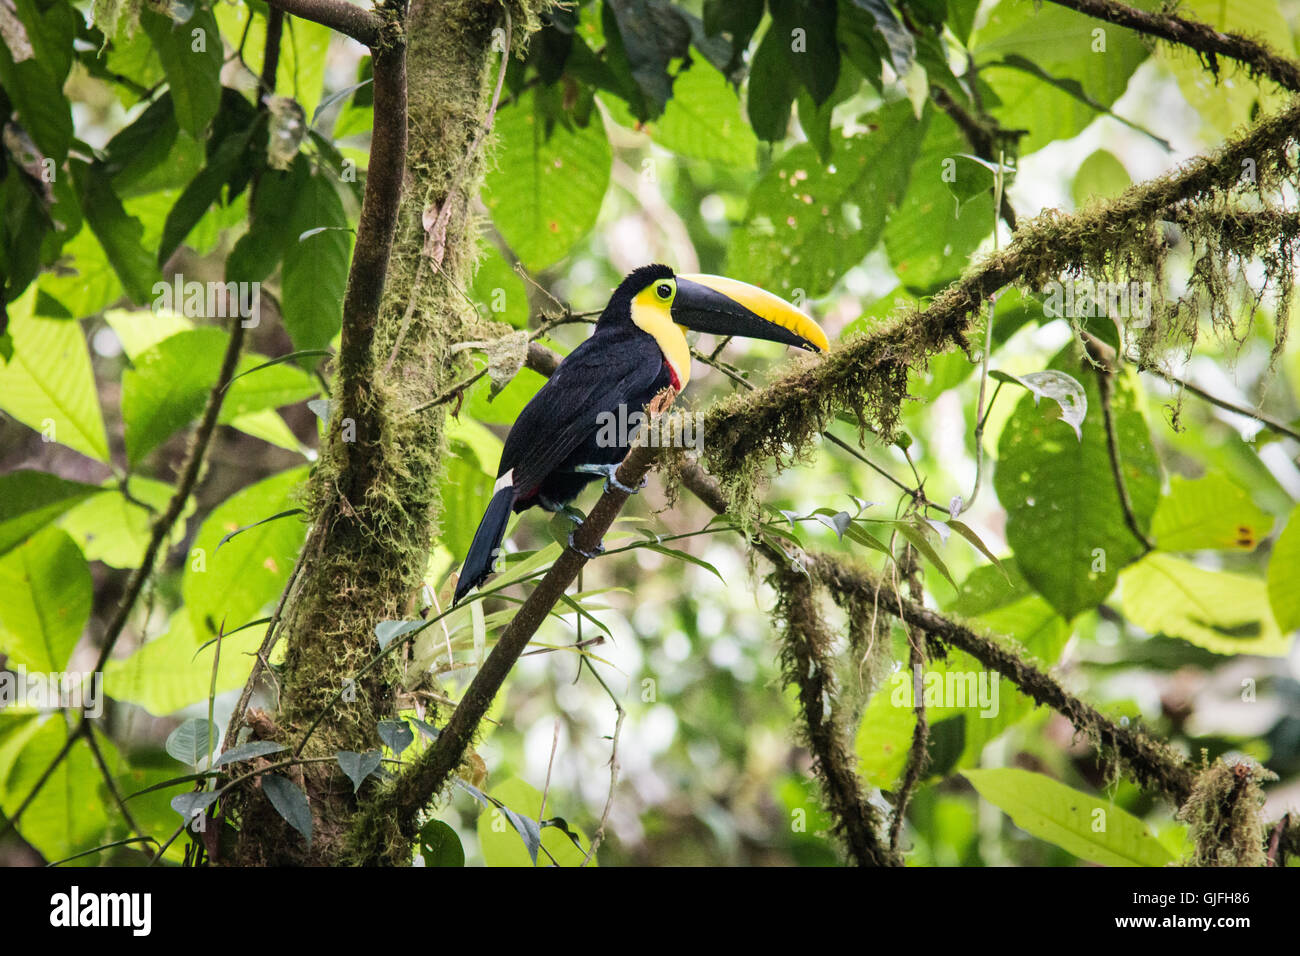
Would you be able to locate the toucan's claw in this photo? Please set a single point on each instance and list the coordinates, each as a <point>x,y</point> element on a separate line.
<point>589,555</point>
<point>611,478</point>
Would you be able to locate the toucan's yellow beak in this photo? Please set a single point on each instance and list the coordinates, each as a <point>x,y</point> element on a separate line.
<point>727,307</point>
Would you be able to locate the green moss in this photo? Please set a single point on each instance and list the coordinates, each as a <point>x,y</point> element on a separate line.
<point>1223,814</point>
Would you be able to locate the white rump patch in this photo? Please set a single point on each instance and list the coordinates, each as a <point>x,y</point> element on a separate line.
<point>505,481</point>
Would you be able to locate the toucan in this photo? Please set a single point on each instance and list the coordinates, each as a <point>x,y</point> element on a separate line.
<point>637,349</point>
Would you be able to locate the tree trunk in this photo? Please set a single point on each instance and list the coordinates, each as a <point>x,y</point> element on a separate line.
<point>372,499</point>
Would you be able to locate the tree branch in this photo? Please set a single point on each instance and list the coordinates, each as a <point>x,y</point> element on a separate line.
<point>426,777</point>
<point>1204,39</point>
<point>868,373</point>
<point>359,24</point>
<point>376,227</point>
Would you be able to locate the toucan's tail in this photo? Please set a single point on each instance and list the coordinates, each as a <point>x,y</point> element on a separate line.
<point>487,542</point>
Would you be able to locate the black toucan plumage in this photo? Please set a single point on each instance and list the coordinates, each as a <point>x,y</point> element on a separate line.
<point>638,348</point>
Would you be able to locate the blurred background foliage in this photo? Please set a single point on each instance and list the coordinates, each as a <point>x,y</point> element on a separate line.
<point>696,135</point>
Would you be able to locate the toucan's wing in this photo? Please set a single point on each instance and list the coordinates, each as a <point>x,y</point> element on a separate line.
<point>595,377</point>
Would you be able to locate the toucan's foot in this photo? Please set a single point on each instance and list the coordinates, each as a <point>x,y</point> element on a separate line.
<point>572,513</point>
<point>589,555</point>
<point>611,478</point>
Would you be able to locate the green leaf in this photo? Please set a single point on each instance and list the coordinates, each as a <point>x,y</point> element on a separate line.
<point>110,528</point>
<point>357,766</point>
<point>168,674</point>
<point>642,36</point>
<point>203,190</point>
<point>48,595</point>
<point>1100,176</point>
<point>702,120</point>
<point>1060,387</point>
<point>36,94</point>
<point>1221,611</point>
<point>314,275</point>
<point>504,835</point>
<point>303,48</point>
<point>289,801</point>
<point>772,88</point>
<point>806,33</point>
<point>70,813</point>
<point>884,737</point>
<point>29,500</point>
<point>193,741</point>
<point>1209,512</point>
<point>1284,575</point>
<point>808,223</point>
<point>121,235</point>
<point>546,190</point>
<point>254,748</point>
<point>48,385</point>
<point>169,385</point>
<point>272,230</point>
<point>396,735</point>
<point>1065,523</point>
<point>440,846</point>
<point>923,255</point>
<point>1083,825</point>
<point>250,571</point>
<point>191,55</point>
<point>1065,44</point>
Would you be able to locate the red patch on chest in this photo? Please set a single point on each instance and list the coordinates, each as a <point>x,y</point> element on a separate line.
<point>672,375</point>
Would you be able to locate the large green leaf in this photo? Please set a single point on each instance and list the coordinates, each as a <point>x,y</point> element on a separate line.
<point>249,571</point>
<point>1091,829</point>
<point>1070,47</point>
<point>119,233</point>
<point>702,120</point>
<point>315,270</point>
<point>71,812</point>
<point>1284,575</point>
<point>85,281</point>
<point>29,500</point>
<point>191,54</point>
<point>171,672</point>
<point>111,528</point>
<point>47,589</point>
<point>170,383</point>
<point>809,223</point>
<point>930,237</point>
<point>1223,612</point>
<point>35,92</point>
<point>546,190</point>
<point>1064,518</point>
<point>1209,512</point>
<point>49,385</point>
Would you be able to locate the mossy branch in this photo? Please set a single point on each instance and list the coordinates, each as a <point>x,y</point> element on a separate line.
<point>808,662</point>
<point>867,374</point>
<point>1208,42</point>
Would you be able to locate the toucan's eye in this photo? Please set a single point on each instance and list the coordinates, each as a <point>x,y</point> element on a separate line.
<point>664,291</point>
